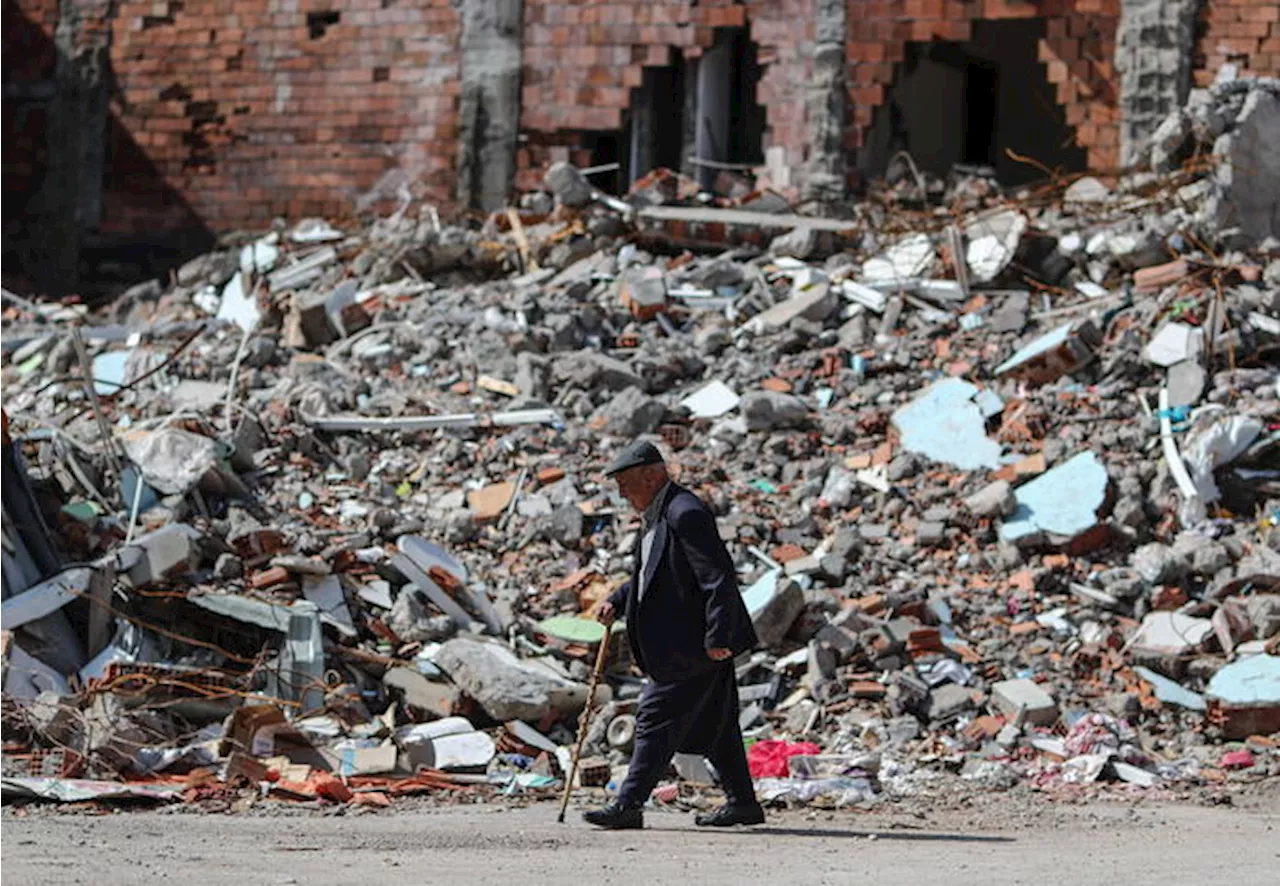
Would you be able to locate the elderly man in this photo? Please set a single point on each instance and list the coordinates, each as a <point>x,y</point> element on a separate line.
<point>685,621</point>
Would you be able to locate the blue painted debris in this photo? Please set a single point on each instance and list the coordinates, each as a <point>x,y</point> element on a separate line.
<point>1041,346</point>
<point>1170,692</point>
<point>109,371</point>
<point>1063,501</point>
<point>947,424</point>
<point>1053,355</point>
<point>1249,682</point>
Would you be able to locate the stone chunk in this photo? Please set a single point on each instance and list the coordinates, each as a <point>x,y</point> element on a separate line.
<point>931,533</point>
<point>629,414</point>
<point>643,291</point>
<point>949,700</point>
<point>767,410</point>
<point>569,185</point>
<point>508,688</point>
<point>993,500</point>
<point>1159,564</point>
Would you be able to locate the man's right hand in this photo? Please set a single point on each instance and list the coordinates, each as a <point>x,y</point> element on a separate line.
<point>605,614</point>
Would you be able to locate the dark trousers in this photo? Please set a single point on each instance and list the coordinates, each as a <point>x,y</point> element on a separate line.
<point>694,719</point>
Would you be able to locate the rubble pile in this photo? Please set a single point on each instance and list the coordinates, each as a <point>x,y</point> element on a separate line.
<point>323,517</point>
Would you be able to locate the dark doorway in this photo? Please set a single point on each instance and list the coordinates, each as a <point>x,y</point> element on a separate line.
<point>703,111</point>
<point>975,103</point>
<point>656,131</point>
<point>604,148</point>
<point>981,106</point>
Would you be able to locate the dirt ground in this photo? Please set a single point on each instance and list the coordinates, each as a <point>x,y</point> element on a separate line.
<point>1001,838</point>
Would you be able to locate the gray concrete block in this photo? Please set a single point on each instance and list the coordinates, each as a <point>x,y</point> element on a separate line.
<point>1010,697</point>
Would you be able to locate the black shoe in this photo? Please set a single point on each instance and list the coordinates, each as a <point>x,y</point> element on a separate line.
<point>727,816</point>
<point>616,817</point>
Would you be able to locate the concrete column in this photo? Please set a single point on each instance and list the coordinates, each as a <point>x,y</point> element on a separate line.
<point>1155,41</point>
<point>640,151</point>
<point>489,112</point>
<point>826,106</point>
<point>711,138</point>
<point>71,197</point>
<point>689,118</point>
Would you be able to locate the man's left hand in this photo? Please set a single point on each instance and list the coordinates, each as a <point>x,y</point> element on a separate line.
<point>719,654</point>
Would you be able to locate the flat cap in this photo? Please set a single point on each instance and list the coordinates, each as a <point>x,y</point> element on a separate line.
<point>636,455</point>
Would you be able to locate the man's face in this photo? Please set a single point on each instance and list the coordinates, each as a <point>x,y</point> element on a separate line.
<point>631,485</point>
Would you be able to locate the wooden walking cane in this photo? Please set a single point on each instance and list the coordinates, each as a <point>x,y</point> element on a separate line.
<point>583,720</point>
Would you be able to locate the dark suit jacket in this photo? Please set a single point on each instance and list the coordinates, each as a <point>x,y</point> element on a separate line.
<point>690,601</point>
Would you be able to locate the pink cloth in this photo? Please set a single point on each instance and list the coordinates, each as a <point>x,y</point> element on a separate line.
<point>768,759</point>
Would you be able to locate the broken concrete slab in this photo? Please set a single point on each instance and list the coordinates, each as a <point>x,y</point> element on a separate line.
<point>507,687</point>
<point>429,697</point>
<point>171,550</point>
<point>411,621</point>
<point>330,598</point>
<point>773,603</point>
<point>1248,692</point>
<point>946,424</point>
<point>1024,700</point>
<point>907,259</point>
<point>871,299</point>
<point>302,271</point>
<point>816,303</point>
<point>1064,350</point>
<point>1086,190</point>
<point>197,396</point>
<point>1171,692</point>
<point>993,242</point>
<point>712,401</point>
<point>1175,343</point>
<point>239,304</point>
<point>1059,505</point>
<point>1251,174</point>
<point>445,603</point>
<point>417,741</point>
<point>47,597</point>
<point>1170,634</point>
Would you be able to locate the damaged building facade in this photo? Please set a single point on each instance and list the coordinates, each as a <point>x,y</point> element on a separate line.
<point>145,128</point>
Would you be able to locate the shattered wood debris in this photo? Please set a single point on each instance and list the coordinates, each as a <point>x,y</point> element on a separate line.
<point>326,520</point>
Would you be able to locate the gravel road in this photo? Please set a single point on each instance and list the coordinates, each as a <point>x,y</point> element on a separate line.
<point>1009,840</point>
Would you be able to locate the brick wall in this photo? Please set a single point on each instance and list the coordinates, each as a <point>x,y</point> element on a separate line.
<point>1244,32</point>
<point>1077,51</point>
<point>252,109</point>
<point>233,112</point>
<point>582,61</point>
<point>29,61</point>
